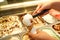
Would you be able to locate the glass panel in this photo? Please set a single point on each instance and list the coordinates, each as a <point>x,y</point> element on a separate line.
<point>3,2</point>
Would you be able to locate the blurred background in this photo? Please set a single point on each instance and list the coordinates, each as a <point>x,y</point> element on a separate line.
<point>4,2</point>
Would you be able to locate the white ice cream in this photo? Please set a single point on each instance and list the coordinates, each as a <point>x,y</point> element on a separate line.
<point>27,19</point>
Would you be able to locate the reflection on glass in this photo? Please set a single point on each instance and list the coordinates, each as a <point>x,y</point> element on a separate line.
<point>3,2</point>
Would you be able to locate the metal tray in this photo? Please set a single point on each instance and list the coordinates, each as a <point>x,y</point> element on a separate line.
<point>50,31</point>
<point>18,35</point>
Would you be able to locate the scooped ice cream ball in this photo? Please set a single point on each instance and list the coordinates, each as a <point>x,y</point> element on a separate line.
<point>27,19</point>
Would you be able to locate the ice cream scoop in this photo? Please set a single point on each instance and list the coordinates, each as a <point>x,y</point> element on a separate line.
<point>27,18</point>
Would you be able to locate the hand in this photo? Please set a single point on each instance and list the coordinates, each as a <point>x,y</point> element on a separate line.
<point>40,36</point>
<point>54,4</point>
<point>55,13</point>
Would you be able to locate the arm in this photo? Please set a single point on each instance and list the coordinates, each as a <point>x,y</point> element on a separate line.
<point>56,5</point>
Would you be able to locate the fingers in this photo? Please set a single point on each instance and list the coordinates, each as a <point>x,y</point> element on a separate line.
<point>39,9</point>
<point>42,7</point>
<point>39,6</point>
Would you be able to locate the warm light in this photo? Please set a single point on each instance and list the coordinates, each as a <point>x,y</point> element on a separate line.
<point>1,0</point>
<point>44,0</point>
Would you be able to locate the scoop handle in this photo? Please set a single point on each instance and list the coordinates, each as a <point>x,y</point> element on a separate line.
<point>41,13</point>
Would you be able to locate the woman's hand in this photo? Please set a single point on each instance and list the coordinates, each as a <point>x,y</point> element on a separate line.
<point>47,4</point>
<point>40,36</point>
